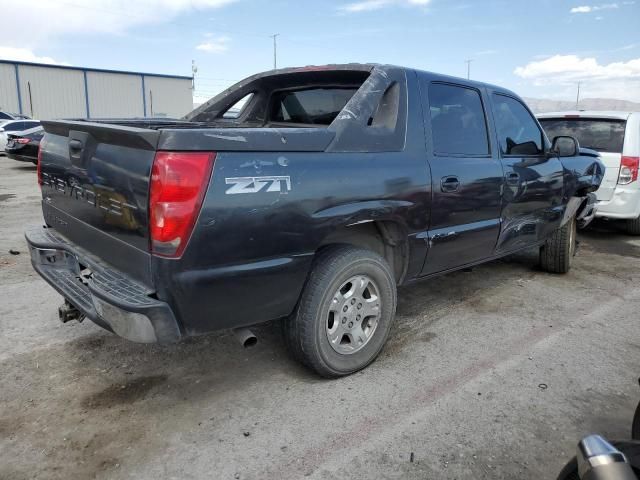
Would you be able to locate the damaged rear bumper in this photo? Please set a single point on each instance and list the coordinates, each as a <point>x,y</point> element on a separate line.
<point>108,297</point>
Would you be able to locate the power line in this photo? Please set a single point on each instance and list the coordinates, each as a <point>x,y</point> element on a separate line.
<point>220,79</point>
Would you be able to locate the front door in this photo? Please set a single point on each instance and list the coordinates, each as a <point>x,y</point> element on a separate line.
<point>533,182</point>
<point>466,177</point>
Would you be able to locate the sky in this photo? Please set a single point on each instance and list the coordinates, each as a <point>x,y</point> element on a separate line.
<point>538,48</point>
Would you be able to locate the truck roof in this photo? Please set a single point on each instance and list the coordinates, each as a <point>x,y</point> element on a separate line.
<point>348,71</point>
<point>364,67</point>
<point>587,114</point>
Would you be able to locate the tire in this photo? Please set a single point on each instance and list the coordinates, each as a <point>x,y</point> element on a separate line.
<point>558,251</point>
<point>632,226</point>
<point>333,288</point>
<point>635,426</point>
<point>570,471</point>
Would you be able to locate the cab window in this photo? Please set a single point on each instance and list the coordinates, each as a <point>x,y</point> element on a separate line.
<point>458,125</point>
<point>518,131</point>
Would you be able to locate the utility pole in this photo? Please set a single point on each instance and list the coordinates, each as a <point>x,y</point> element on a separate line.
<point>194,70</point>
<point>578,97</point>
<point>275,50</point>
<point>468,62</point>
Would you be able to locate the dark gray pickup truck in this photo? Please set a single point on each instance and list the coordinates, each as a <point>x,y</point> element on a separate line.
<point>304,194</point>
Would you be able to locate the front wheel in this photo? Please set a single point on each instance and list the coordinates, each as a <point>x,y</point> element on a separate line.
<point>558,251</point>
<point>345,312</point>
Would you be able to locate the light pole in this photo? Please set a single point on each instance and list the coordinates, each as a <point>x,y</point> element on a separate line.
<point>275,50</point>
<point>468,62</point>
<point>194,70</point>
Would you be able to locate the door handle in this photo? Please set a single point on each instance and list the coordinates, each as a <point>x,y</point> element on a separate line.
<point>449,184</point>
<point>75,145</point>
<point>513,178</point>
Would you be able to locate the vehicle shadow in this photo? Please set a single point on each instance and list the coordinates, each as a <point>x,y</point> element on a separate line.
<point>238,365</point>
<point>22,166</point>
<point>196,366</point>
<point>609,237</point>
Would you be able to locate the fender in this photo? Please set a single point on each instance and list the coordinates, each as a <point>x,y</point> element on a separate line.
<point>390,231</point>
<point>587,211</point>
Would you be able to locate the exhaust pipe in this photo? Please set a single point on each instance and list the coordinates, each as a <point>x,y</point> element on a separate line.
<point>599,460</point>
<point>245,337</point>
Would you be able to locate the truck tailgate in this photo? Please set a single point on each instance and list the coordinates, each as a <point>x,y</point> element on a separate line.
<point>95,190</point>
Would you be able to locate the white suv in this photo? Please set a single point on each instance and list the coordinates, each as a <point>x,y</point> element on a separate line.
<point>616,136</point>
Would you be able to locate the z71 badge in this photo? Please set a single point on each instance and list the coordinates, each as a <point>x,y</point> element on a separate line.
<point>258,184</point>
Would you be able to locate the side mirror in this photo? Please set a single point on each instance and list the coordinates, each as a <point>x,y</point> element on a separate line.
<point>565,146</point>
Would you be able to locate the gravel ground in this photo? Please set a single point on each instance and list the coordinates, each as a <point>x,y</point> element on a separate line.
<point>492,373</point>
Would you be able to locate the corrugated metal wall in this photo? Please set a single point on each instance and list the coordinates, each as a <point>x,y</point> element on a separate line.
<point>49,92</point>
<point>167,96</point>
<point>114,95</point>
<point>8,91</point>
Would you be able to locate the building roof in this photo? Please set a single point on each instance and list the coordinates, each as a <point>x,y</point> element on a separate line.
<point>87,69</point>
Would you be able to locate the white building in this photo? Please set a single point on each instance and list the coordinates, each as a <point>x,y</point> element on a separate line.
<point>53,91</point>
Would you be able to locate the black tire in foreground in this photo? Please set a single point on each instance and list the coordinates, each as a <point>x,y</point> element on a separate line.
<point>558,251</point>
<point>632,226</point>
<point>345,312</point>
<point>635,426</point>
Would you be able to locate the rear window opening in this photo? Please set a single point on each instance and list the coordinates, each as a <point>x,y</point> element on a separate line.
<point>309,97</point>
<point>313,106</point>
<point>602,135</point>
<point>237,109</point>
<point>386,115</point>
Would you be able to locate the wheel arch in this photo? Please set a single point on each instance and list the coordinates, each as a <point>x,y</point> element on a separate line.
<point>387,238</point>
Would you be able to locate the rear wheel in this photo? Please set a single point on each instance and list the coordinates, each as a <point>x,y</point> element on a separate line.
<point>345,312</point>
<point>558,251</point>
<point>632,226</point>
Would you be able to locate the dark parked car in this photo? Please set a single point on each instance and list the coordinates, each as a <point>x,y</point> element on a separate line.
<point>13,116</point>
<point>329,187</point>
<point>13,126</point>
<point>23,146</point>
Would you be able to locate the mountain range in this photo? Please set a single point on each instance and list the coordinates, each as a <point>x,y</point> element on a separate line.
<point>540,105</point>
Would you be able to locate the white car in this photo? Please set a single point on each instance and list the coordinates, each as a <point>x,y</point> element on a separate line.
<point>616,136</point>
<point>13,126</point>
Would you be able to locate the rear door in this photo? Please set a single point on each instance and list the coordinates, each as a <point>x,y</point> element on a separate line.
<point>466,177</point>
<point>606,136</point>
<point>532,201</point>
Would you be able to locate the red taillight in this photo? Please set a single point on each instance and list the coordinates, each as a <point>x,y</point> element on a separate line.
<point>39,167</point>
<point>23,140</point>
<point>176,192</point>
<point>628,170</point>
